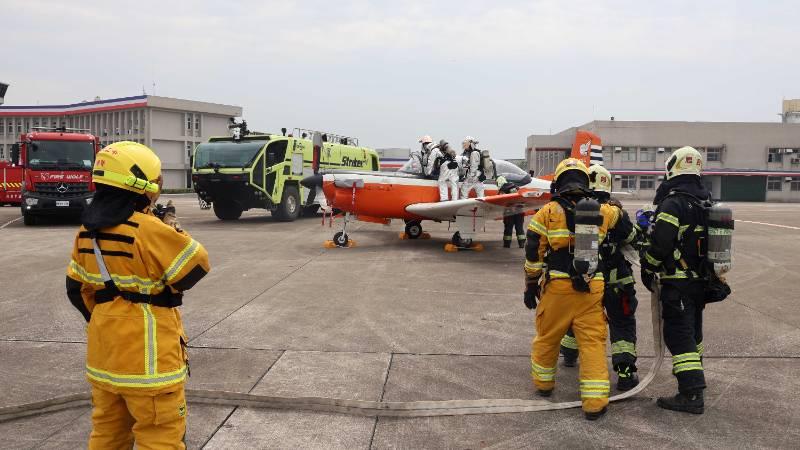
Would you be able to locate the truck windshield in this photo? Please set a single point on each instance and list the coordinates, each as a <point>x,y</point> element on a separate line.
<point>61,155</point>
<point>226,154</point>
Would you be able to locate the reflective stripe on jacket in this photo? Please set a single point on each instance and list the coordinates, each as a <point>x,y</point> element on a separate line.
<point>136,346</point>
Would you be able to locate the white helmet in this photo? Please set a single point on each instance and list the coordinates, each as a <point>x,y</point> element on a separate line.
<point>469,141</point>
<point>425,139</point>
<point>684,161</point>
<point>599,178</point>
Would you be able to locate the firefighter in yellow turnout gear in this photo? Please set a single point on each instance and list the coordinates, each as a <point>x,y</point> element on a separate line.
<point>561,272</point>
<point>126,277</point>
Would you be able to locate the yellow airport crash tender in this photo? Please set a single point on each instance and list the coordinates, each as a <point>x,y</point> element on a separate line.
<point>258,170</point>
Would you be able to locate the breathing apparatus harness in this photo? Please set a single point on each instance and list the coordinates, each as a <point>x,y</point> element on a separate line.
<point>581,260</point>
<point>165,298</point>
<point>712,243</point>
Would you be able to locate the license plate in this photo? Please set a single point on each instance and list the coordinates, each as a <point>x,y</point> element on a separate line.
<point>62,202</point>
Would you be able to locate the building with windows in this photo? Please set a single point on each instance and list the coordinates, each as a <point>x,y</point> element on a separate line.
<point>744,161</point>
<point>170,126</point>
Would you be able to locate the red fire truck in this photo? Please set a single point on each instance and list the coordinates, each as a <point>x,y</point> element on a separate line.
<point>56,166</point>
<point>10,183</point>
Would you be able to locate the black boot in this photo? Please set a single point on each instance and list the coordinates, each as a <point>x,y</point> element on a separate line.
<point>691,402</point>
<point>521,243</point>
<point>544,392</point>
<point>570,357</point>
<point>626,378</point>
<point>596,415</point>
<point>506,243</point>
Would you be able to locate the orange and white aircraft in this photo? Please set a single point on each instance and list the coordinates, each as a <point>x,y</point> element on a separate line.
<point>381,196</point>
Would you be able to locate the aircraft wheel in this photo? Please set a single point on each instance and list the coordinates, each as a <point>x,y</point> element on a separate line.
<point>414,229</point>
<point>341,239</point>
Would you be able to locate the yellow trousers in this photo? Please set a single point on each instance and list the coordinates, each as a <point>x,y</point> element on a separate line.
<point>560,307</point>
<point>154,422</point>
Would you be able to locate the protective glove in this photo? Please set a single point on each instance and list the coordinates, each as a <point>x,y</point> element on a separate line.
<point>531,295</point>
<point>167,214</point>
<point>452,165</point>
<point>648,277</point>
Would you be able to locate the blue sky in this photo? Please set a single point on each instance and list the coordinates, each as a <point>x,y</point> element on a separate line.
<point>390,71</point>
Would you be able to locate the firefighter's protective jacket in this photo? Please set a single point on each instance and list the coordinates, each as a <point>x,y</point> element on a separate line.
<point>134,345</point>
<point>676,239</point>
<point>548,233</point>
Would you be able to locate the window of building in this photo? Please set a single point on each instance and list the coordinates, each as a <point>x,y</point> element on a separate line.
<point>775,155</point>
<point>647,154</point>
<point>2,151</point>
<point>10,126</point>
<point>647,182</point>
<point>774,184</point>
<point>628,182</point>
<point>628,154</point>
<point>794,185</point>
<point>197,124</point>
<point>188,121</point>
<point>714,154</point>
<point>608,154</point>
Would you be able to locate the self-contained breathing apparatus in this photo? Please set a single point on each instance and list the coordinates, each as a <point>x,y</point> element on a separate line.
<point>446,159</point>
<point>581,260</point>
<point>714,243</point>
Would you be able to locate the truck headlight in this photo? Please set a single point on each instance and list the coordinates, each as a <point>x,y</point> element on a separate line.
<point>31,201</point>
<point>89,201</point>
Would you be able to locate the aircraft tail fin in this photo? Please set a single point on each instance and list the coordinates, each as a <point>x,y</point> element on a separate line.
<point>588,148</point>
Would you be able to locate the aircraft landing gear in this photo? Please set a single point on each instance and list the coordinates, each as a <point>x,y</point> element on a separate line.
<point>341,239</point>
<point>413,229</point>
<point>458,243</point>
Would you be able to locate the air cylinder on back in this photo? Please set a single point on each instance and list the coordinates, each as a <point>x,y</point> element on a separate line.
<point>587,236</point>
<point>720,238</point>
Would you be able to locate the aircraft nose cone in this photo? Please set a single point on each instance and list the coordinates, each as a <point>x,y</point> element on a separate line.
<point>312,181</point>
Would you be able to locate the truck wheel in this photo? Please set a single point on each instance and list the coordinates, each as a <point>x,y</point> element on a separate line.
<point>227,210</point>
<point>289,208</point>
<point>29,219</point>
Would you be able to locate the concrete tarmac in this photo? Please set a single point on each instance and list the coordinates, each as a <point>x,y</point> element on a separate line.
<point>400,320</point>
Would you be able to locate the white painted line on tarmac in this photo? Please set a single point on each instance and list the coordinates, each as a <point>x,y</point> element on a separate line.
<point>10,222</point>
<point>769,224</point>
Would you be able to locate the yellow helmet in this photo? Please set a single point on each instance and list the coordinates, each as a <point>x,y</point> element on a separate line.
<point>684,161</point>
<point>599,178</point>
<point>128,165</point>
<point>571,174</point>
<point>570,164</point>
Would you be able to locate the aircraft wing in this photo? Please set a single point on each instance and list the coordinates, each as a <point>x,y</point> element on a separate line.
<point>491,207</point>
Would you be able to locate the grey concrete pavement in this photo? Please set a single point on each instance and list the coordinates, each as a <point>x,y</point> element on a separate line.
<point>399,320</point>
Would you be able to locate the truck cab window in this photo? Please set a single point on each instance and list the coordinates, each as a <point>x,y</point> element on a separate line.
<point>276,152</point>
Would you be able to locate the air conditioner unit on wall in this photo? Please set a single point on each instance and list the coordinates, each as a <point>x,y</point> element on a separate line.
<point>787,179</point>
<point>661,150</point>
<point>617,177</point>
<point>617,149</point>
<point>788,150</point>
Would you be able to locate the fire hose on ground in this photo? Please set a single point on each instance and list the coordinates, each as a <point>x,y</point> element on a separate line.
<point>361,407</point>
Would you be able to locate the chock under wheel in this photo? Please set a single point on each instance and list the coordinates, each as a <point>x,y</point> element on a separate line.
<point>330,244</point>
<point>475,247</point>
